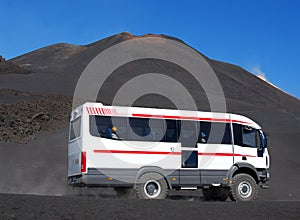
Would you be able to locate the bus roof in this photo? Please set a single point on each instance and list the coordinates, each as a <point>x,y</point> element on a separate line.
<point>141,112</point>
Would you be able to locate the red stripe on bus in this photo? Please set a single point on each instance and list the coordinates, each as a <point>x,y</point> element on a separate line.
<point>135,152</point>
<point>243,155</point>
<point>87,109</point>
<point>214,119</point>
<point>215,154</point>
<point>223,154</point>
<point>181,117</point>
<point>242,122</point>
<point>91,110</point>
<point>104,111</point>
<point>188,118</point>
<point>170,153</point>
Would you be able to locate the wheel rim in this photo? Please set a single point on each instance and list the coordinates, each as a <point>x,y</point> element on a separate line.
<point>152,188</point>
<point>245,189</point>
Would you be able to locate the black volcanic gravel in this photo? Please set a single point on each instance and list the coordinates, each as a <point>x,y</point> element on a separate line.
<point>50,207</point>
<point>20,122</point>
<point>40,165</point>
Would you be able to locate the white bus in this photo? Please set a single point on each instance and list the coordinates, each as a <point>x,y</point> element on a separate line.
<point>154,150</point>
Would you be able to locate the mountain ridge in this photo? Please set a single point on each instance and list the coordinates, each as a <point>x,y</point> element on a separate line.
<point>55,70</point>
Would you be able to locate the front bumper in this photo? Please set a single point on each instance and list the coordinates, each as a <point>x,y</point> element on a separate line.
<point>264,176</point>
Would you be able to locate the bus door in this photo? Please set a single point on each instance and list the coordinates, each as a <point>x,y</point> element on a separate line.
<point>188,137</point>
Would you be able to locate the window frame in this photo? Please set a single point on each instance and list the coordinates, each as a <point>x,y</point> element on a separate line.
<point>71,129</point>
<point>208,124</point>
<point>132,136</point>
<point>240,132</point>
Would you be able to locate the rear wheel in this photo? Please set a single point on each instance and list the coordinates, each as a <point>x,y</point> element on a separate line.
<point>243,188</point>
<point>151,186</point>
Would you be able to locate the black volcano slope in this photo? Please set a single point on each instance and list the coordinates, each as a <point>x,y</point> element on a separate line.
<point>55,70</point>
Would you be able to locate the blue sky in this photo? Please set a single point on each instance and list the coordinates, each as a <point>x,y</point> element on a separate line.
<point>261,36</point>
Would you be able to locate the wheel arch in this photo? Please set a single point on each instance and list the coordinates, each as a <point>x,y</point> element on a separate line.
<point>243,168</point>
<point>155,169</point>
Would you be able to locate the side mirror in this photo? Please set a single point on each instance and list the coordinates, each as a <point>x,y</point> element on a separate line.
<point>263,139</point>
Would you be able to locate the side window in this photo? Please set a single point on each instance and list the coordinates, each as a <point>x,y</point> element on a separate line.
<point>189,159</point>
<point>100,125</point>
<point>156,129</point>
<point>75,128</point>
<point>249,137</point>
<point>171,134</point>
<point>145,129</point>
<point>245,136</point>
<point>121,124</point>
<point>237,133</point>
<point>189,131</point>
<point>258,140</point>
<point>220,135</point>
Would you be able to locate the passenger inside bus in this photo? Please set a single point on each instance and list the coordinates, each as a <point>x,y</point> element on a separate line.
<point>110,133</point>
<point>153,135</point>
<point>203,137</point>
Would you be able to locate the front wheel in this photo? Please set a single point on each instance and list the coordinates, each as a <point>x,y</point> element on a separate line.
<point>151,186</point>
<point>243,188</point>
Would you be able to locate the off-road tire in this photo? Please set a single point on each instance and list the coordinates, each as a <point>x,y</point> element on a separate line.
<point>151,186</point>
<point>243,188</point>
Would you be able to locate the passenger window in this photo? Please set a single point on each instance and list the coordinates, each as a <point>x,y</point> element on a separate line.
<point>220,135</point>
<point>189,132</point>
<point>171,134</point>
<point>101,126</point>
<point>145,129</point>
<point>121,124</point>
<point>189,159</point>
